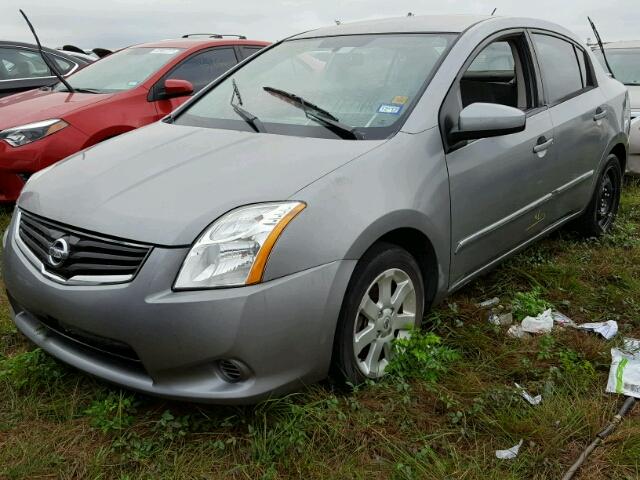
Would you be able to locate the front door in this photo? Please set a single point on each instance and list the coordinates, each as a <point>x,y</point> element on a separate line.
<point>499,187</point>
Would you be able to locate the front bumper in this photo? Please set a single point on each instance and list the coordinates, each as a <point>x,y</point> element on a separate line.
<point>18,163</point>
<point>281,331</point>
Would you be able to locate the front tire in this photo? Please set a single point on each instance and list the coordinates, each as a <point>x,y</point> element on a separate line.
<point>602,210</point>
<point>384,301</point>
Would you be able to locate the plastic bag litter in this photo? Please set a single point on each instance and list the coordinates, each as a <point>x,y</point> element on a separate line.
<point>562,319</point>
<point>607,329</point>
<point>624,374</point>
<point>509,453</point>
<point>524,394</point>
<point>543,323</point>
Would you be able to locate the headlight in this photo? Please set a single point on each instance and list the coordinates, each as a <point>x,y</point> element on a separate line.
<point>24,134</point>
<point>234,250</point>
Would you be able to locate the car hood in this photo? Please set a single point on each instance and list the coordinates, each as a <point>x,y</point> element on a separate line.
<point>163,184</point>
<point>36,105</point>
<point>634,94</point>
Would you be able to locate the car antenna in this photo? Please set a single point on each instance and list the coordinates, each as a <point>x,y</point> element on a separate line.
<point>494,11</point>
<point>599,40</point>
<point>45,57</point>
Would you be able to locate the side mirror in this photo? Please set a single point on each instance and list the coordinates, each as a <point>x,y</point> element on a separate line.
<point>483,120</point>
<point>177,88</point>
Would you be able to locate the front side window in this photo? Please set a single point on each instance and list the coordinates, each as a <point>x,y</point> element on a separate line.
<point>625,63</point>
<point>18,64</point>
<point>202,68</point>
<point>558,60</point>
<point>122,70</point>
<point>365,82</point>
<point>497,75</point>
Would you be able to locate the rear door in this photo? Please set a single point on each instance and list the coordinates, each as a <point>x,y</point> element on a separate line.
<point>579,115</point>
<point>498,186</point>
<point>200,69</point>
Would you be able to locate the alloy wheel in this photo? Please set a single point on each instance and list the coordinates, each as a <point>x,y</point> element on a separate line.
<point>387,311</point>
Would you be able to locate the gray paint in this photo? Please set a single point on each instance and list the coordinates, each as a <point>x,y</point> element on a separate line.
<point>164,184</point>
<point>484,117</point>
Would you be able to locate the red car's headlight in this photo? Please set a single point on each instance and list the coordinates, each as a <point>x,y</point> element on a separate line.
<point>24,134</point>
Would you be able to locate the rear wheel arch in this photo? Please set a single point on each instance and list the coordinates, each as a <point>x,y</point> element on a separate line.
<point>620,151</point>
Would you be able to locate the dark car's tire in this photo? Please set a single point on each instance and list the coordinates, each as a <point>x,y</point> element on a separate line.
<point>366,328</point>
<point>601,212</point>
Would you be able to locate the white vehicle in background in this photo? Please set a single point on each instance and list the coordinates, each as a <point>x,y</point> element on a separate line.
<point>624,59</point>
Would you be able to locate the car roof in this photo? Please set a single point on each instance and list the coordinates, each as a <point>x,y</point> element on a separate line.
<point>7,43</point>
<point>198,43</point>
<point>59,53</point>
<point>407,24</point>
<point>623,44</point>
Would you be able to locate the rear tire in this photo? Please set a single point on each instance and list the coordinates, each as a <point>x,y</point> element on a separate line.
<point>384,301</point>
<point>601,212</point>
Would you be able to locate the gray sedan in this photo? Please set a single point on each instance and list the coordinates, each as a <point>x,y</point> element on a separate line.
<point>309,206</point>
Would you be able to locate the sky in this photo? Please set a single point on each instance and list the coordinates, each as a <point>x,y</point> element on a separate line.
<point>118,23</point>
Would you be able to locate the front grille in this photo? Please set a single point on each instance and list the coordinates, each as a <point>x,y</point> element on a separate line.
<point>87,256</point>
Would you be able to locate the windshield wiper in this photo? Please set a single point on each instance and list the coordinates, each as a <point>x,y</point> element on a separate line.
<point>248,117</point>
<point>317,113</point>
<point>80,90</point>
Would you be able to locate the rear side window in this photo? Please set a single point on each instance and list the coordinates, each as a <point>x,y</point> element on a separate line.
<point>25,64</point>
<point>202,68</point>
<point>248,51</point>
<point>561,71</point>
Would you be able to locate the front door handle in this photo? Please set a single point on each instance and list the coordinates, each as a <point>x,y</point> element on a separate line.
<point>542,145</point>
<point>600,114</point>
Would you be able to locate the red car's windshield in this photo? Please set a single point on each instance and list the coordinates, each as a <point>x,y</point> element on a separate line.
<point>121,71</point>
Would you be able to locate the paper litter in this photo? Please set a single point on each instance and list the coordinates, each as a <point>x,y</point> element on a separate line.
<point>509,453</point>
<point>532,400</point>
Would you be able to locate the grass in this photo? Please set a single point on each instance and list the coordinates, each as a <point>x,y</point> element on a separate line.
<point>441,417</point>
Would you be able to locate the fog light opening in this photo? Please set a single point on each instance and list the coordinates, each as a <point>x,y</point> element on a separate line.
<point>232,371</point>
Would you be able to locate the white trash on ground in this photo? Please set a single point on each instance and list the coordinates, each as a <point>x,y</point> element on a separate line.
<point>624,375</point>
<point>492,302</point>
<point>607,329</point>
<point>515,331</point>
<point>509,453</point>
<point>562,319</point>
<point>501,319</point>
<point>543,323</point>
<point>527,396</point>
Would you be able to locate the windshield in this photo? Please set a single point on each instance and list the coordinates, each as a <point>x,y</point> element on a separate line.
<point>362,83</point>
<point>625,63</point>
<point>122,70</point>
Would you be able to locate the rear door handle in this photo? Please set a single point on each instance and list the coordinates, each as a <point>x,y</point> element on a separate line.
<point>600,114</point>
<point>542,145</point>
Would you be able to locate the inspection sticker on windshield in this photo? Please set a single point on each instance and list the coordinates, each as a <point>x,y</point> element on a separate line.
<point>400,100</point>
<point>164,51</point>
<point>388,108</point>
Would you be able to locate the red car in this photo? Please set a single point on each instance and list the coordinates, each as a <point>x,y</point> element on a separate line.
<point>124,91</point>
